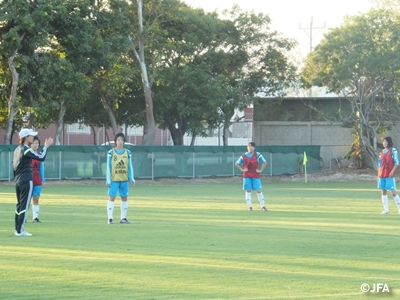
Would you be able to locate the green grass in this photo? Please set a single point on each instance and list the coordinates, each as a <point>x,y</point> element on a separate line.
<point>191,241</point>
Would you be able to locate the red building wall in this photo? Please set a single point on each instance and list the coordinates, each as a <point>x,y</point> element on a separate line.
<point>97,136</point>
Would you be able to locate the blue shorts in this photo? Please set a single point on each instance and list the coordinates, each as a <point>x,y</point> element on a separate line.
<point>121,186</point>
<point>387,183</point>
<point>252,184</point>
<point>36,191</point>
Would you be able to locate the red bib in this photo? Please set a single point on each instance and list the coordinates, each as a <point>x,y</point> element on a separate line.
<point>251,163</point>
<point>387,164</point>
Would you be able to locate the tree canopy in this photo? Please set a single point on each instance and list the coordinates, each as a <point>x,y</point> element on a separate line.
<point>361,59</point>
<point>213,66</point>
<point>86,61</point>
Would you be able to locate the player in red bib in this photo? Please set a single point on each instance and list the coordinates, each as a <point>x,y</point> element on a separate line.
<point>388,161</point>
<point>38,180</point>
<point>252,164</point>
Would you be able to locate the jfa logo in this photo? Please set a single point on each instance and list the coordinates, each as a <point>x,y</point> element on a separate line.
<point>375,288</point>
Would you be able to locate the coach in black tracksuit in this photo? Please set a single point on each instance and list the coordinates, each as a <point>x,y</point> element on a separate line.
<point>23,155</point>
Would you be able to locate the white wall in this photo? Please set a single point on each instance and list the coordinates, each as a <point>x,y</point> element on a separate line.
<point>335,140</point>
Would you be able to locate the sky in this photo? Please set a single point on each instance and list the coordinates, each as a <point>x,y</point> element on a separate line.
<point>293,17</point>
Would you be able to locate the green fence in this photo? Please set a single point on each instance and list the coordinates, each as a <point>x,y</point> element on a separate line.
<point>77,162</point>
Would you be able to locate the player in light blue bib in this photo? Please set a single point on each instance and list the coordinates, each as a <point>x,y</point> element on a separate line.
<point>119,174</point>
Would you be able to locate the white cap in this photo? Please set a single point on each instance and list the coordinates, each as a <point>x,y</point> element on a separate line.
<point>26,132</point>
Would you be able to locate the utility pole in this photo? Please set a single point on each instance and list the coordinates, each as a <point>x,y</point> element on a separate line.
<point>311,36</point>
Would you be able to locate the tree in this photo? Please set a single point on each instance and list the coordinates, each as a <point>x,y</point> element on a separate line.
<point>361,59</point>
<point>387,4</point>
<point>187,100</point>
<point>263,66</point>
<point>95,46</point>
<point>213,66</point>
<point>24,28</point>
<point>113,85</point>
<point>186,90</point>
<point>51,62</point>
<point>120,94</point>
<point>62,89</point>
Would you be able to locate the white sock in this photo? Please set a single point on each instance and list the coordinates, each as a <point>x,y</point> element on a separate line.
<point>397,200</point>
<point>110,209</point>
<point>124,209</point>
<point>385,202</point>
<point>261,199</point>
<point>35,210</point>
<point>248,198</point>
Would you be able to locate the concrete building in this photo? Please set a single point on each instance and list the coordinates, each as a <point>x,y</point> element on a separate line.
<point>308,121</point>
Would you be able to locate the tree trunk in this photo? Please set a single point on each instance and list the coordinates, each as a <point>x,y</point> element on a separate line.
<point>94,134</point>
<point>12,111</point>
<point>60,123</point>
<point>225,131</point>
<point>150,132</point>
<point>368,149</point>
<point>193,140</point>
<point>111,115</point>
<point>32,118</point>
<point>176,135</point>
<point>228,113</point>
<point>367,133</point>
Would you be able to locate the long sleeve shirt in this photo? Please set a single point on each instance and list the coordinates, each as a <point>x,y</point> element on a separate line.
<point>23,156</point>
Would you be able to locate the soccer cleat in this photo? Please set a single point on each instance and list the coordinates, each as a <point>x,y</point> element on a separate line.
<point>23,233</point>
<point>124,221</point>
<point>250,208</point>
<point>385,212</point>
<point>110,221</point>
<point>264,208</point>
<point>36,220</point>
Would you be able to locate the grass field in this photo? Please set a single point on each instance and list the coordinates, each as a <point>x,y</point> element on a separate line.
<point>195,241</point>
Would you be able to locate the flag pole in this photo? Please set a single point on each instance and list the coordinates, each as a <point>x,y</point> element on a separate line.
<point>305,166</point>
<point>305,173</point>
